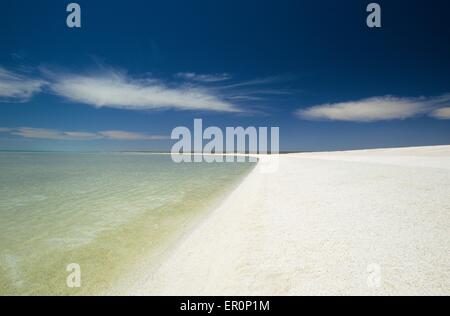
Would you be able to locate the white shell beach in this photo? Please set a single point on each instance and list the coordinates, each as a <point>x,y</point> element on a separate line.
<point>371,222</point>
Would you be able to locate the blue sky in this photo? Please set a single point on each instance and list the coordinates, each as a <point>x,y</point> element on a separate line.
<point>137,69</point>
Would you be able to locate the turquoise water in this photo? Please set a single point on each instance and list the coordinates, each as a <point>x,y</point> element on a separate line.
<point>104,212</point>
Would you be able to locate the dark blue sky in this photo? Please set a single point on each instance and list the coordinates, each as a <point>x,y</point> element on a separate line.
<point>268,59</point>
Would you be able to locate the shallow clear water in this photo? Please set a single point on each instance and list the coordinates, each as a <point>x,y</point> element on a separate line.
<point>104,212</point>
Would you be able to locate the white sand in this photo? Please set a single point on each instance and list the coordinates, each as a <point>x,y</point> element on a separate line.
<point>324,224</point>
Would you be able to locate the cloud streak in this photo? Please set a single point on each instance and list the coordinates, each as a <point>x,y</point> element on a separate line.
<point>376,109</point>
<point>192,76</point>
<point>123,135</point>
<point>15,87</point>
<point>441,114</point>
<point>112,88</point>
<point>53,134</point>
<point>115,90</point>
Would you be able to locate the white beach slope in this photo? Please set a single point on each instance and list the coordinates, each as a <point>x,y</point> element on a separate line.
<point>372,222</point>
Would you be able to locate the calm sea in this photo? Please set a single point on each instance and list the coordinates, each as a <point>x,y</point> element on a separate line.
<point>108,213</point>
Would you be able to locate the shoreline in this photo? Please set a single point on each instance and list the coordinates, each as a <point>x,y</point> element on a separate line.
<point>325,224</point>
<point>157,256</point>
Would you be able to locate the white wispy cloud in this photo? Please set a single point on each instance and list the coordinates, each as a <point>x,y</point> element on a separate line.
<point>116,90</point>
<point>203,77</point>
<point>262,90</point>
<point>441,114</point>
<point>112,88</point>
<point>375,109</point>
<point>17,87</point>
<point>123,135</point>
<point>53,134</point>
<point>42,133</point>
<point>258,82</point>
